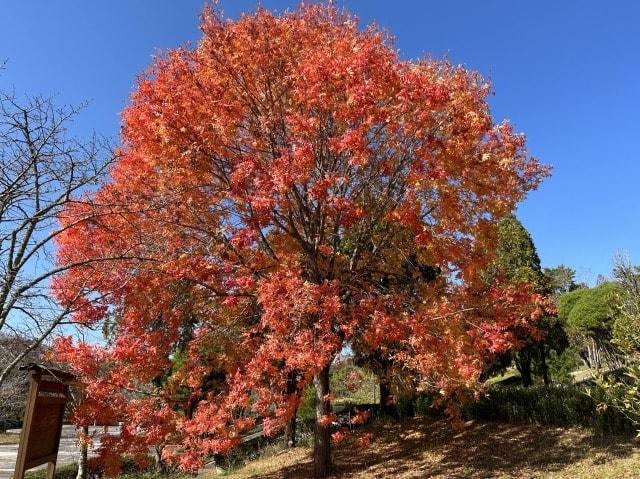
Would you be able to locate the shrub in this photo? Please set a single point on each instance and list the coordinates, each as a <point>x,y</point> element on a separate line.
<point>405,406</point>
<point>562,365</point>
<point>307,408</point>
<point>562,405</point>
<point>420,404</point>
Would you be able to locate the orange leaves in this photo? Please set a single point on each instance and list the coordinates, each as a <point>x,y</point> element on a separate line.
<point>286,189</point>
<point>360,417</point>
<point>353,143</point>
<point>327,419</point>
<point>340,435</point>
<point>364,439</point>
<point>286,298</point>
<point>354,380</point>
<point>385,327</point>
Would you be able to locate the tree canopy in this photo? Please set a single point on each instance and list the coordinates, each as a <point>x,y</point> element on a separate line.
<point>517,260</point>
<point>589,310</point>
<point>274,184</point>
<point>516,254</point>
<point>561,279</point>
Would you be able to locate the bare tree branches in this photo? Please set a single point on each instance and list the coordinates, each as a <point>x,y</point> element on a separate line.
<point>43,168</point>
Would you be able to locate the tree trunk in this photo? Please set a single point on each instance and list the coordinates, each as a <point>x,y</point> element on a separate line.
<point>590,357</point>
<point>386,401</point>
<point>322,436</point>
<point>523,364</point>
<point>82,460</point>
<point>292,388</point>
<point>597,361</point>
<point>543,364</point>
<point>161,467</point>
<point>291,430</point>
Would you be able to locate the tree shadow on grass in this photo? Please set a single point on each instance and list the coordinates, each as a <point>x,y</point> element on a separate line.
<point>424,448</point>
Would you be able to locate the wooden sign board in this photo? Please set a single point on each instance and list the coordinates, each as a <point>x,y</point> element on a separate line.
<point>43,416</point>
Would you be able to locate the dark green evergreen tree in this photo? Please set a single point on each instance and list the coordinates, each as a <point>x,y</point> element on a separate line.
<point>518,260</point>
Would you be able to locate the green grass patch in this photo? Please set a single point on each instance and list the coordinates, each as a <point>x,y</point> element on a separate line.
<point>68,471</point>
<point>509,377</point>
<point>9,438</point>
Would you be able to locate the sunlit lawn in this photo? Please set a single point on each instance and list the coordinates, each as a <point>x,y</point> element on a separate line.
<point>508,375</point>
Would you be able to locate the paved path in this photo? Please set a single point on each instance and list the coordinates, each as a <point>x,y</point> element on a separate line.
<point>67,454</point>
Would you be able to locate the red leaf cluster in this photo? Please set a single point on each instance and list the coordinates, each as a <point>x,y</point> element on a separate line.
<point>279,188</point>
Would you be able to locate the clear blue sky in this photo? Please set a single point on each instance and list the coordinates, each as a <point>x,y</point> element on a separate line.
<point>565,72</point>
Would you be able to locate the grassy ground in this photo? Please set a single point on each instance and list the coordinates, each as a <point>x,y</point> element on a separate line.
<point>62,472</point>
<point>508,376</point>
<point>422,448</point>
<point>584,374</point>
<point>69,472</point>
<point>512,376</point>
<point>9,438</point>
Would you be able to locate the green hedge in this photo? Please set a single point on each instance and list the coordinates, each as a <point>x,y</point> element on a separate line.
<point>418,405</point>
<point>561,405</point>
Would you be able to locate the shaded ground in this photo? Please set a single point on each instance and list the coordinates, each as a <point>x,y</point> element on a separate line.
<point>422,448</point>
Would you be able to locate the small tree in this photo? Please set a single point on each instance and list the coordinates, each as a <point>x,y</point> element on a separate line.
<point>517,259</point>
<point>589,314</point>
<point>623,387</point>
<point>561,279</point>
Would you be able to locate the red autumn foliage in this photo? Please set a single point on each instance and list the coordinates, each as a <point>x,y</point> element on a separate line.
<point>364,439</point>
<point>340,435</point>
<point>360,417</point>
<point>276,184</point>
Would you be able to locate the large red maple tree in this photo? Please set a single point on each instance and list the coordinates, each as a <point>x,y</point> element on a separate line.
<point>290,187</point>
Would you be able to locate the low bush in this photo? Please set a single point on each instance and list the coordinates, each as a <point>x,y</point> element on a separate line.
<point>417,405</point>
<point>560,405</point>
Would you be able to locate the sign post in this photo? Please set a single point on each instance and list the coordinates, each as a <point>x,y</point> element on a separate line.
<point>42,424</point>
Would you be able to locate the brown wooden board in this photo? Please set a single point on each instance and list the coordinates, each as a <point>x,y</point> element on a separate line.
<point>42,425</point>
